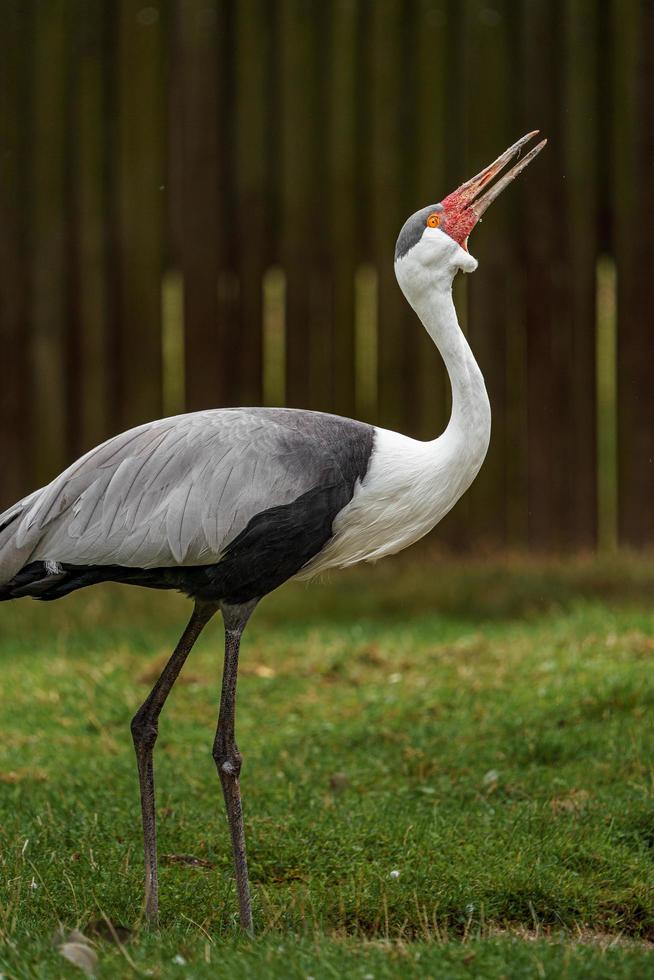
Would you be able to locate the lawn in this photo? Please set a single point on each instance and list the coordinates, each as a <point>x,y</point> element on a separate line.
<point>448,772</point>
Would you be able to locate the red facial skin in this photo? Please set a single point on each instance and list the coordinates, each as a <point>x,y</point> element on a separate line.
<point>459,219</point>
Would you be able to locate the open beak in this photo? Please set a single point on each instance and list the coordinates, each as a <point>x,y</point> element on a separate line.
<point>464,207</point>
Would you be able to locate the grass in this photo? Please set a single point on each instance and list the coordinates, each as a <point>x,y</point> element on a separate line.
<point>447,773</point>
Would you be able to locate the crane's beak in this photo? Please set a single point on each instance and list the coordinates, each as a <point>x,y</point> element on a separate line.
<point>464,207</point>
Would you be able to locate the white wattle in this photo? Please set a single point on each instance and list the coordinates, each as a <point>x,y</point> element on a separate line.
<point>411,485</point>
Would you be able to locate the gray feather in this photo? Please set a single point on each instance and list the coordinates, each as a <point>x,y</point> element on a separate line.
<point>175,491</point>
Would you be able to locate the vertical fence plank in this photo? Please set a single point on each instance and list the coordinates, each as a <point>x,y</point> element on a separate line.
<point>195,27</point>
<point>607,443</point>
<point>544,257</point>
<point>487,131</point>
<point>388,178</point>
<point>72,314</point>
<point>343,210</point>
<point>253,217</point>
<point>516,457</point>
<point>537,238</point>
<point>300,222</point>
<point>579,228</point>
<point>138,185</point>
<point>48,234</point>
<point>15,392</point>
<point>88,381</point>
<point>634,196</point>
<point>230,297</point>
<point>321,287</point>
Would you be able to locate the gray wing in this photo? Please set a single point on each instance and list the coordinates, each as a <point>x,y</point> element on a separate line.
<point>172,492</point>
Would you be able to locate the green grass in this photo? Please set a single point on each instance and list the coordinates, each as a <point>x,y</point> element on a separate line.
<point>483,729</point>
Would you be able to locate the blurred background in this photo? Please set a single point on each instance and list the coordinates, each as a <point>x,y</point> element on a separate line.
<point>199,201</point>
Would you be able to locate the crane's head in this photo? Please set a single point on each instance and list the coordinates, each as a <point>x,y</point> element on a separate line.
<point>435,239</point>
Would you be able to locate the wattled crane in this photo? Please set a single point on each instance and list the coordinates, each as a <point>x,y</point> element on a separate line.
<point>226,505</point>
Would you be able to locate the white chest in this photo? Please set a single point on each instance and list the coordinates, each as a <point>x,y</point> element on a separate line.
<point>408,489</point>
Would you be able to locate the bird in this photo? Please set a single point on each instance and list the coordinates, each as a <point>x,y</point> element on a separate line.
<point>226,505</point>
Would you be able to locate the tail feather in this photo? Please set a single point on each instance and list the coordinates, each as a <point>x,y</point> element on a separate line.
<point>48,580</point>
<point>35,580</point>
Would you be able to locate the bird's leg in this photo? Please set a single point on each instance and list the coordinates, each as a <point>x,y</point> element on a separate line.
<point>226,754</point>
<point>145,725</point>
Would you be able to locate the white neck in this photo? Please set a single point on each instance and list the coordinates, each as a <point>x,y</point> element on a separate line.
<point>470,421</point>
<point>411,485</point>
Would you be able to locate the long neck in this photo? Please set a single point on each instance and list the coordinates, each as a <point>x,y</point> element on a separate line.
<point>469,425</point>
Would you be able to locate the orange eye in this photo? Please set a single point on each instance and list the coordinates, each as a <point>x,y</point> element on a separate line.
<point>434,220</point>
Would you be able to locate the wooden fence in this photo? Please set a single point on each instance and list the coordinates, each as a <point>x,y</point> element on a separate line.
<point>198,206</point>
